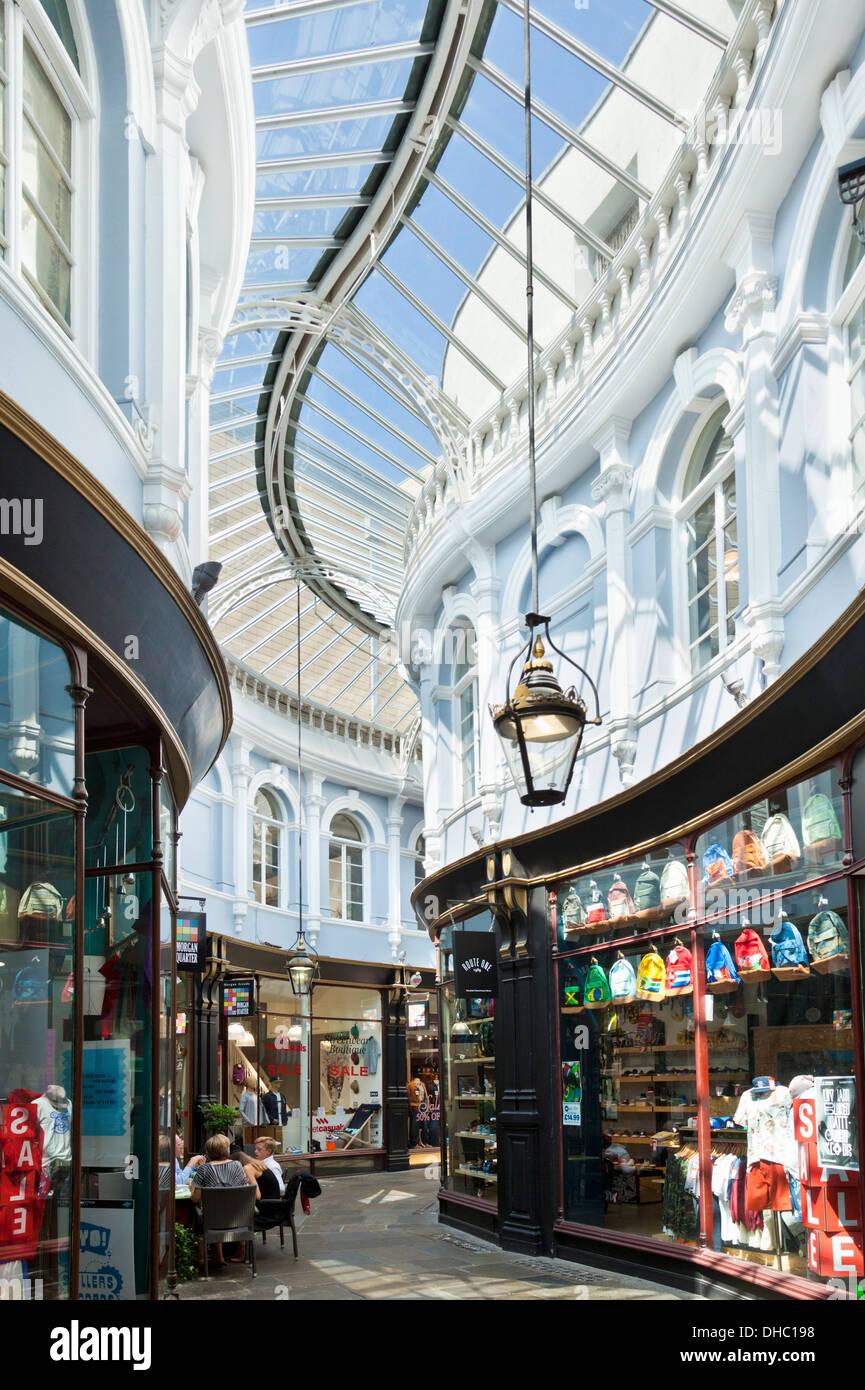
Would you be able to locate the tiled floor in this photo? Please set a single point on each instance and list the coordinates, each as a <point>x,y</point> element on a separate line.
<point>377,1236</point>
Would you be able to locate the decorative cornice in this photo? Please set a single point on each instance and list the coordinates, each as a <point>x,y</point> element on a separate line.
<point>755,296</point>
<point>613,486</point>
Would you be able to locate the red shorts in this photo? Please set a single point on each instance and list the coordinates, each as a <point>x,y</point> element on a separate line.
<point>767,1188</point>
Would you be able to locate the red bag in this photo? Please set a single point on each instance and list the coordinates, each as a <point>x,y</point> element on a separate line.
<point>752,958</point>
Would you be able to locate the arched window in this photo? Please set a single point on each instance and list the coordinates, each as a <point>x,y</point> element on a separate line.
<point>708,518</point>
<point>465,710</point>
<point>266,846</point>
<point>42,164</point>
<point>345,869</point>
<point>419,855</point>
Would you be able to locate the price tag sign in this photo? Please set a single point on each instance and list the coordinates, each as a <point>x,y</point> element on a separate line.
<point>837,1135</point>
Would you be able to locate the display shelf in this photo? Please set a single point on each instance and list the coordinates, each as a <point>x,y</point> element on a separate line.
<point>467,1134</point>
<point>464,1061</point>
<point>475,1096</point>
<point>632,1138</point>
<point>473,1173</point>
<point>677,1047</point>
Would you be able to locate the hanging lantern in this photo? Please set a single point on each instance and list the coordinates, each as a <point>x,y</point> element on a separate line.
<point>301,966</point>
<point>540,725</point>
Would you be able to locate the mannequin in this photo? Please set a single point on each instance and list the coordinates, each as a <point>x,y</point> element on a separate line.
<point>274,1104</point>
<point>248,1104</point>
<point>418,1106</point>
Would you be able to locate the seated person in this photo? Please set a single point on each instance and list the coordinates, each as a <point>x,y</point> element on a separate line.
<point>265,1148</point>
<point>219,1169</point>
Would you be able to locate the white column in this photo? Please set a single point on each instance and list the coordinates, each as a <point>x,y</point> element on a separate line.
<point>241,776</point>
<point>313,802</point>
<point>432,814</point>
<point>612,490</point>
<point>754,427</point>
<point>169,177</point>
<point>394,827</point>
<point>485,590</point>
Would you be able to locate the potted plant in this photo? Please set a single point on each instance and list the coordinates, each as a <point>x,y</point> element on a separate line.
<point>219,1119</point>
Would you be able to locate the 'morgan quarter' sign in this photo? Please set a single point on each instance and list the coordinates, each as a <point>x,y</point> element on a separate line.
<point>475,964</point>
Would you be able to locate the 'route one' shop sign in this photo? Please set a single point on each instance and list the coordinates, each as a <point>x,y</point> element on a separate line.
<point>475,964</point>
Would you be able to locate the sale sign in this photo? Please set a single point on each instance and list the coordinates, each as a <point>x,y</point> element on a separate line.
<point>835,1254</point>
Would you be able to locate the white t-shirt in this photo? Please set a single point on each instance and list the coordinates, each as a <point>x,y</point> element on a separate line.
<point>765,1118</point>
<point>271,1163</point>
<point>56,1129</point>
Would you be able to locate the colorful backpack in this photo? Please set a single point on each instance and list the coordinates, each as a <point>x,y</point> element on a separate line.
<point>572,994</point>
<point>788,950</point>
<point>596,991</point>
<point>780,844</point>
<point>573,912</point>
<point>647,891</point>
<point>721,973</point>
<point>679,977</point>
<point>675,887</point>
<point>650,977</point>
<point>623,981</point>
<point>620,904</point>
<point>717,866</point>
<point>752,957</point>
<point>41,900</point>
<point>596,910</point>
<point>748,852</point>
<point>828,939</point>
<point>821,833</point>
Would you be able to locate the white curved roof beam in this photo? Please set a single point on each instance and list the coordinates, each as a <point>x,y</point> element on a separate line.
<point>367,409</point>
<point>229,364</point>
<point>250,325</point>
<point>352,58</point>
<point>440,326</point>
<point>549,118</point>
<point>325,115</point>
<point>232,422</point>
<point>294,243</point>
<point>468,280</point>
<point>339,533</point>
<point>306,201</point>
<point>236,393</point>
<point>594,60</point>
<point>355,434</point>
<point>337,159</point>
<point>690,21</point>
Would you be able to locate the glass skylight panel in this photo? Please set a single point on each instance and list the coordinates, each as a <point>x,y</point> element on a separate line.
<point>329,398</point>
<point>227,378</point>
<point>402,323</point>
<point>609,29</point>
<point>224,411</point>
<point>273,265</point>
<point>297,222</point>
<point>344,27</point>
<point>243,344</point>
<point>500,121</point>
<point>317,431</point>
<point>424,274</point>
<point>363,385</point>
<point>338,87</point>
<point>349,178</point>
<point>358,132</point>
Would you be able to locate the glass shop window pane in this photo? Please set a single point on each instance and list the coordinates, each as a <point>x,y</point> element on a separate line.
<point>345,1064</point>
<point>37,884</point>
<point>166,1081</point>
<point>34,701</point>
<point>468,1088</point>
<point>119,825</point>
<point>116,1124</point>
<point>629,1090</point>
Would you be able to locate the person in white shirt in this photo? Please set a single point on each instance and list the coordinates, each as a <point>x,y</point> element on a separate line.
<point>264,1151</point>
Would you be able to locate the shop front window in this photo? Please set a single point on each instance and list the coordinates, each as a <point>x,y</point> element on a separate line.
<point>37,1019</point>
<point>346,1083</point>
<point>37,734</point>
<point>708,1068</point>
<point>629,1087</point>
<point>120,808</point>
<point>468,1082</point>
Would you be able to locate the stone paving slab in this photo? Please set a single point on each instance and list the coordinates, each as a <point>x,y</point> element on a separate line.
<point>376,1237</point>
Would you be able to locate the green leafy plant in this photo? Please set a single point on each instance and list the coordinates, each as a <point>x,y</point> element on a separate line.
<point>219,1119</point>
<point>185,1253</point>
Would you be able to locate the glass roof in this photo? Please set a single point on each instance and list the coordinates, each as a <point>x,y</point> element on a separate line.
<point>383,347</point>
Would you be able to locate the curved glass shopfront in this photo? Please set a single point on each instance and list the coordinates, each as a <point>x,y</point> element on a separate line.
<point>710,1049</point>
<point>86,989</point>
